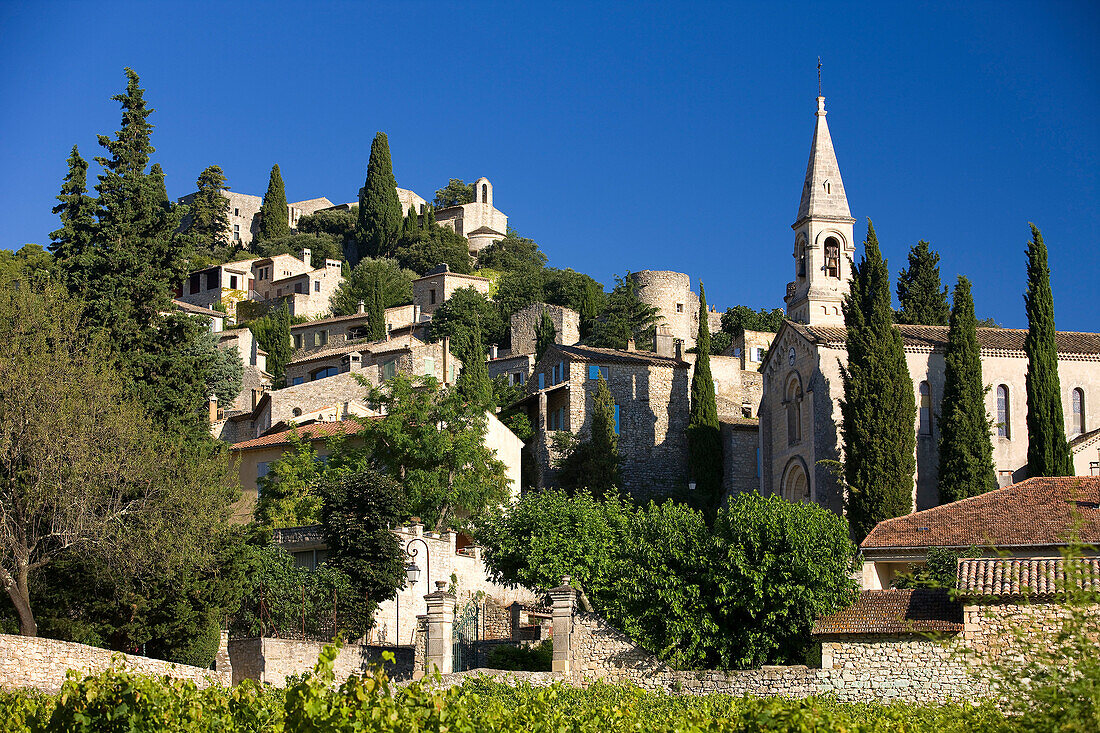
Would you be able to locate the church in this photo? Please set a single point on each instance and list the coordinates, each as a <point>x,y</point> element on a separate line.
<point>800,405</point>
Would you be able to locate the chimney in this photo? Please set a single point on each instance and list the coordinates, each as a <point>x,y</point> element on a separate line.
<point>446,359</point>
<point>663,342</point>
<point>630,345</point>
<point>212,406</point>
<point>492,351</point>
<point>307,257</point>
<point>679,349</point>
<point>416,314</point>
<point>362,307</point>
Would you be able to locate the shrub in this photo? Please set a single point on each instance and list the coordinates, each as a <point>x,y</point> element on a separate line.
<point>536,658</point>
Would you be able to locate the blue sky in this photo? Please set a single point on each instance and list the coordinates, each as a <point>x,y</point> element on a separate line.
<point>620,136</point>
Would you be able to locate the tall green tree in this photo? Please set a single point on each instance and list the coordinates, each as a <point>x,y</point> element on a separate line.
<point>922,297</point>
<point>741,318</point>
<point>380,214</point>
<point>473,383</point>
<point>512,253</point>
<point>208,214</point>
<point>703,432</point>
<point>593,464</point>
<point>369,277</point>
<point>1048,452</point>
<point>966,451</point>
<point>467,311</point>
<point>545,334</point>
<point>879,408</point>
<point>456,192</point>
<point>72,245</point>
<point>274,220</point>
<point>626,317</point>
<point>272,333</point>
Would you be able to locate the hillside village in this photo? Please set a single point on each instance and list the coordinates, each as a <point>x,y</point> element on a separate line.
<point>391,422</point>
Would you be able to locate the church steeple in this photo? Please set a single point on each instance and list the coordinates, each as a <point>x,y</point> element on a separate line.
<point>823,236</point>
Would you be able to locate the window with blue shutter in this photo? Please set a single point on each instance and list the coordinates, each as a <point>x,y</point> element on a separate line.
<point>616,419</point>
<point>542,380</point>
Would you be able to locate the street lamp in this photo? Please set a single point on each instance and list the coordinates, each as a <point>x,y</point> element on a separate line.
<point>412,574</point>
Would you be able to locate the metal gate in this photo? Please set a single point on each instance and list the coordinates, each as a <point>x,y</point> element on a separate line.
<point>465,637</point>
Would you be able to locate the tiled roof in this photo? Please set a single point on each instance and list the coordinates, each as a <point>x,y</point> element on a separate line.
<point>740,422</point>
<point>382,346</point>
<point>914,611</point>
<point>1084,438</point>
<point>1026,577</point>
<point>331,319</point>
<point>313,431</point>
<point>1038,511</point>
<point>591,353</point>
<point>935,337</point>
<point>196,310</point>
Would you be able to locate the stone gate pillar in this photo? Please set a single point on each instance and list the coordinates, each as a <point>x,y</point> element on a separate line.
<point>564,598</point>
<point>441,617</point>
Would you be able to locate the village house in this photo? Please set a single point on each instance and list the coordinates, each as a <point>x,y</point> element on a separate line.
<point>244,213</point>
<point>437,287</point>
<point>399,320</point>
<point>480,222</point>
<point>255,379</point>
<point>382,359</point>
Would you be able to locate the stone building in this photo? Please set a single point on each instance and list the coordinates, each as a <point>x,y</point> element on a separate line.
<point>524,324</point>
<point>306,291</point>
<point>220,286</point>
<point>399,320</point>
<point>244,213</point>
<point>480,222</point>
<point>515,368</point>
<point>377,360</point>
<point>436,288</point>
<point>800,405</point>
<point>255,380</point>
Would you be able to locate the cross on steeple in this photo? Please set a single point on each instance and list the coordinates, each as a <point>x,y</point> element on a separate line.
<point>819,76</point>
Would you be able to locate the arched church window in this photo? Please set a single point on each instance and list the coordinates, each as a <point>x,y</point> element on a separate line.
<point>832,257</point>
<point>793,401</point>
<point>796,485</point>
<point>1079,410</point>
<point>925,409</point>
<point>828,187</point>
<point>1003,415</point>
<point>484,193</point>
<point>800,268</point>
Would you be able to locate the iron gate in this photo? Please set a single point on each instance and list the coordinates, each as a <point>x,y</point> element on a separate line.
<point>465,637</point>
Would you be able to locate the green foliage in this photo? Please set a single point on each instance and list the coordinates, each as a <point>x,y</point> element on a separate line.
<point>373,279</point>
<point>72,245</point>
<point>625,317</point>
<point>741,318</point>
<point>434,245</point>
<point>288,493</point>
<point>434,442</point>
<point>545,335</point>
<point>321,246</point>
<point>512,253</point>
<point>225,370</point>
<point>456,193</point>
<point>1048,452</point>
<point>966,451</point>
<point>518,289</point>
<point>274,219</point>
<point>466,314</point>
<point>878,409</point>
<point>29,264</point>
<point>922,298</point>
<point>574,290</point>
<point>379,208</point>
<point>592,464</point>
<point>939,570</point>
<point>272,333</point>
<point>535,658</point>
<point>703,432</point>
<point>207,220</point>
<point>474,384</point>
<point>719,342</point>
<point>336,224</point>
<point>357,517</point>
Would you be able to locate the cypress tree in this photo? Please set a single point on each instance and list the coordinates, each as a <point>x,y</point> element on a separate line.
<point>376,310</point>
<point>72,244</point>
<point>1048,452</point>
<point>429,219</point>
<point>274,222</point>
<point>379,208</point>
<point>208,218</point>
<point>879,408</point>
<point>272,333</point>
<point>603,450</point>
<point>545,334</point>
<point>411,225</point>
<point>922,297</point>
<point>703,431</point>
<point>966,451</point>
<point>473,382</point>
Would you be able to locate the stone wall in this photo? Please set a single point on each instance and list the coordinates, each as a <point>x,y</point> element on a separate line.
<point>671,294</point>
<point>524,324</point>
<point>740,451</point>
<point>42,663</point>
<point>273,660</point>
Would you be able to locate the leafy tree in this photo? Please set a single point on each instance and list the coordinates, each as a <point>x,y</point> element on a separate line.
<point>337,224</point>
<point>288,494</point>
<point>719,342</point>
<point>432,246</point>
<point>207,218</point>
<point>73,244</point>
<point>272,333</point>
<point>703,432</point>
<point>433,443</point>
<point>467,311</point>
<point>512,253</point>
<point>741,318</point>
<point>274,219</point>
<point>593,464</point>
<point>518,289</point>
<point>373,278</point>
<point>577,291</point>
<point>379,208</point>
<point>455,193</point>
<point>626,317</point>
<point>545,334</point>
<point>29,264</point>
<point>474,384</point>
<point>878,409</point>
<point>225,368</point>
<point>966,452</point>
<point>357,517</point>
<point>321,247</point>
<point>922,298</point>
<point>939,570</point>
<point>1048,452</point>
<point>92,474</point>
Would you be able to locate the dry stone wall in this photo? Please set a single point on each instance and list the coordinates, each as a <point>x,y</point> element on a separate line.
<point>273,660</point>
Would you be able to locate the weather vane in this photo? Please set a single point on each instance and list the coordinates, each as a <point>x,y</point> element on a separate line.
<point>819,76</point>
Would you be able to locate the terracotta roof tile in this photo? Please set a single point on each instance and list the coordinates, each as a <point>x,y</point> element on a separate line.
<point>312,431</point>
<point>196,310</point>
<point>381,346</point>
<point>591,353</point>
<point>914,611</point>
<point>1084,438</point>
<point>1012,577</point>
<point>1038,511</point>
<point>935,337</point>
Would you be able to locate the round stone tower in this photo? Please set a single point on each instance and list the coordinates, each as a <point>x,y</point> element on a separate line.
<point>671,293</point>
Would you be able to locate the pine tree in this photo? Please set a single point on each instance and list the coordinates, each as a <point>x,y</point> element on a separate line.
<point>966,451</point>
<point>545,334</point>
<point>922,297</point>
<point>379,208</point>
<point>703,432</point>
<point>604,460</point>
<point>274,220</point>
<point>879,408</point>
<point>208,217</point>
<point>473,382</point>
<point>1048,453</point>
<point>72,244</point>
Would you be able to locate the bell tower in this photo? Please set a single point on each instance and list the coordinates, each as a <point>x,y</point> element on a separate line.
<point>823,241</point>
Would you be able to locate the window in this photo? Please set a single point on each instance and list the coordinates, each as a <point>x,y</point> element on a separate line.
<point>297,380</point>
<point>431,296</point>
<point>429,366</point>
<point>1003,413</point>
<point>262,468</point>
<point>737,351</point>
<point>193,283</point>
<point>679,307</point>
<point>298,288</point>
<point>800,266</point>
<point>451,372</point>
<point>756,354</point>
<point>320,338</point>
<point>297,340</point>
<point>796,485</point>
<point>793,402</point>
<point>1078,410</point>
<point>232,282</point>
<point>828,187</point>
<point>296,412</point>
<point>517,378</point>
<point>316,286</point>
<point>389,369</point>
<point>236,212</point>
<point>594,372</point>
<point>925,410</point>
<point>236,232</point>
<point>616,419</point>
<point>542,380</point>
<point>324,372</point>
<point>558,374</point>
<point>832,257</point>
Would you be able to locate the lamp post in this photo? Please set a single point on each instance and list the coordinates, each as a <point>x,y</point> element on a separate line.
<point>412,574</point>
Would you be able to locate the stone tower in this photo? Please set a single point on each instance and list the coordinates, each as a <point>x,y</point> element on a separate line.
<point>823,241</point>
